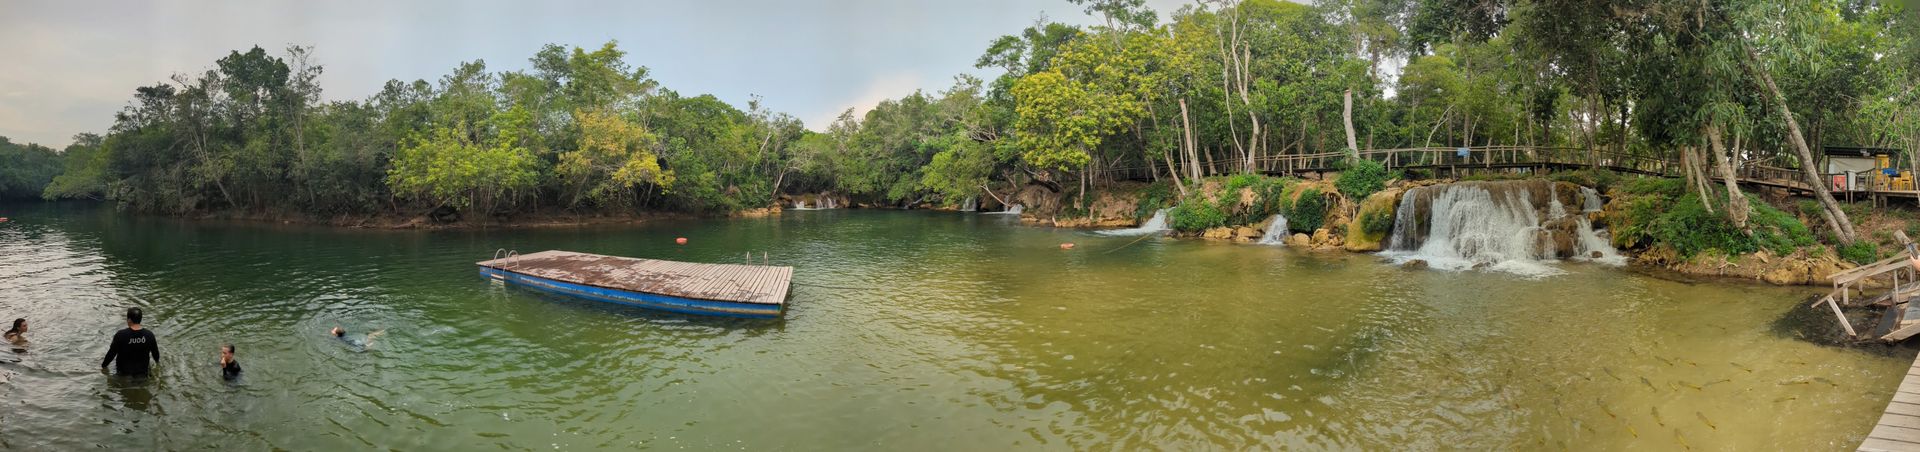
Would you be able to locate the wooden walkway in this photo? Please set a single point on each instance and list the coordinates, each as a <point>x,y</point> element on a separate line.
<point>1899,426</point>
<point>1537,158</point>
<point>758,284</point>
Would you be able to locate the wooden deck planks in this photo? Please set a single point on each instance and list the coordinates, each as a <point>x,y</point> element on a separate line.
<point>1899,425</point>
<point>757,284</point>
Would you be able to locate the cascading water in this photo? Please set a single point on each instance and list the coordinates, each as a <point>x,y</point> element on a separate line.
<point>1512,226</point>
<point>1011,210</point>
<point>800,205</point>
<point>1154,225</point>
<point>972,204</point>
<point>827,202</point>
<point>1276,231</point>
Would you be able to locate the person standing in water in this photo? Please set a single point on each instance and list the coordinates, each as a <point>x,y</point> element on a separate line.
<point>229,367</point>
<point>18,334</point>
<point>132,345</point>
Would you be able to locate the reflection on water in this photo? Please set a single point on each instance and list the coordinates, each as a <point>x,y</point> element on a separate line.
<point>907,330</point>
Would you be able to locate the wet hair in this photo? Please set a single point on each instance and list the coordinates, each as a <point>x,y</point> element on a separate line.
<point>16,325</point>
<point>133,315</point>
<point>339,332</point>
<point>229,347</point>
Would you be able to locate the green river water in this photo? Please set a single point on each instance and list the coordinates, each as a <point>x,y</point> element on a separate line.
<point>906,331</point>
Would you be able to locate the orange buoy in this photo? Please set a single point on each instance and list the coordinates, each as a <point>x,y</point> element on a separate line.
<point>681,240</point>
<point>1066,246</point>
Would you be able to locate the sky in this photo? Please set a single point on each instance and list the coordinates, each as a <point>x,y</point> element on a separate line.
<point>67,66</point>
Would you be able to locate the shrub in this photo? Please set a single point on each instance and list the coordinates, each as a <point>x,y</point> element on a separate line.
<point>1599,179</point>
<point>1155,197</point>
<point>1196,214</point>
<point>1689,228</point>
<point>1376,222</point>
<point>1860,252</point>
<point>1308,212</point>
<point>1362,178</point>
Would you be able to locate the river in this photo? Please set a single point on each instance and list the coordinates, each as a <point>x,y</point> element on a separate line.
<point>906,331</point>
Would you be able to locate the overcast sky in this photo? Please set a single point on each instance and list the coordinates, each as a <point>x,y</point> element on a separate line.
<point>69,65</point>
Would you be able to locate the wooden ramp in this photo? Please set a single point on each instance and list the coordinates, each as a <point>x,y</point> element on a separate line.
<point>755,284</point>
<point>1899,426</point>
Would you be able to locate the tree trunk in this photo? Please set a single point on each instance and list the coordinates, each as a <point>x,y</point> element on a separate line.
<point>1736,201</point>
<point>1193,151</point>
<point>1836,218</point>
<point>1346,115</point>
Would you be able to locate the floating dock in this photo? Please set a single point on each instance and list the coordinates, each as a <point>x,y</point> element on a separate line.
<point>753,291</point>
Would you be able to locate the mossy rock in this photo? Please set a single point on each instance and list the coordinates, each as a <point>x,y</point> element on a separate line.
<point>1367,234</point>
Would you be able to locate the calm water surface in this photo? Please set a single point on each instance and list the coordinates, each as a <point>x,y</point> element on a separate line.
<point>907,331</point>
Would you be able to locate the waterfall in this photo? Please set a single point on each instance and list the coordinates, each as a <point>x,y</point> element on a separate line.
<point>1590,200</point>
<point>972,204</point>
<point>1157,224</point>
<point>1511,226</point>
<point>1276,231</point>
<point>1011,210</point>
<point>827,202</point>
<point>800,205</point>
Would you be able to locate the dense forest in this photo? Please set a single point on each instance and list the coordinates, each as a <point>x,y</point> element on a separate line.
<point>586,130</point>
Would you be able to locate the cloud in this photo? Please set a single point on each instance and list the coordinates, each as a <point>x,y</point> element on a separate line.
<point>877,89</point>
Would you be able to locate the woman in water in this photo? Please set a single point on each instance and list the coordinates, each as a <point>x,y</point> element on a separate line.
<point>18,334</point>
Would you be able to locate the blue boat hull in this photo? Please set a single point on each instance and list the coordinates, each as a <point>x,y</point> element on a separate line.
<point>637,299</point>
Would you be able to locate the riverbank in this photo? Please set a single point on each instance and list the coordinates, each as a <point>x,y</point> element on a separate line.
<point>1644,222</point>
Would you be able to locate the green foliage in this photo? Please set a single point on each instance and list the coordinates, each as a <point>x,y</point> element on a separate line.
<point>1860,252</point>
<point>1376,223</point>
<point>1600,179</point>
<point>1196,214</point>
<point>1661,211</point>
<point>1362,178</point>
<point>26,169</point>
<point>1308,212</point>
<point>1154,197</point>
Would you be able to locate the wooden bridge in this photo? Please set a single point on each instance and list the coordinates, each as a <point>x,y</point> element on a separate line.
<point>1538,159</point>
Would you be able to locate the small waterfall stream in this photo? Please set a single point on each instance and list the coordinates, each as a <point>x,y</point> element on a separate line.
<point>1512,226</point>
<point>1011,210</point>
<point>1276,231</point>
<point>1156,224</point>
<point>972,204</point>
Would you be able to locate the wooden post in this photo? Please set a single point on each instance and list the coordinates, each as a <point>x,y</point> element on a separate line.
<point>1843,318</point>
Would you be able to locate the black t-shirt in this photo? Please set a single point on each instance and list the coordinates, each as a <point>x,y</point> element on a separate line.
<point>231,370</point>
<point>132,348</point>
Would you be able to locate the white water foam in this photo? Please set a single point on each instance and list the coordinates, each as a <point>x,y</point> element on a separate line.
<point>1155,225</point>
<point>1494,226</point>
<point>1276,231</point>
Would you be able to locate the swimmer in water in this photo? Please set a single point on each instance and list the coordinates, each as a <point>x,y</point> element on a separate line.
<point>362,344</point>
<point>18,333</point>
<point>229,367</point>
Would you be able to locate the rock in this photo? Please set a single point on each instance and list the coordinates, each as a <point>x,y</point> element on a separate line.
<point>1322,236</point>
<point>1298,240</point>
<point>1220,233</point>
<point>1415,264</point>
<point>1245,233</point>
<point>1785,275</point>
<point>1596,255</point>
<point>1378,206</point>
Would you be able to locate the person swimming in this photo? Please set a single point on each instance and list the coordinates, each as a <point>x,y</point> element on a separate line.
<point>18,334</point>
<point>360,343</point>
<point>229,367</point>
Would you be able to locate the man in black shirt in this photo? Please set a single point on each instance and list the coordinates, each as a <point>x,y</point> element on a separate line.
<point>132,345</point>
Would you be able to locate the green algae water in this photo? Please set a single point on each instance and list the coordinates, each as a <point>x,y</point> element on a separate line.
<point>906,331</point>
